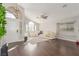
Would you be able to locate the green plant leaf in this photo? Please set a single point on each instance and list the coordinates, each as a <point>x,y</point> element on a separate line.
<point>2,20</point>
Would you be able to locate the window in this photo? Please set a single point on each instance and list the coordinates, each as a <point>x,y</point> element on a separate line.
<point>11,22</point>
<point>31,26</point>
<point>27,28</point>
<point>10,15</point>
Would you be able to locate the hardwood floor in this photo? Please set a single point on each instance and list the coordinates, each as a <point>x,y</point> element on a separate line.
<point>55,47</point>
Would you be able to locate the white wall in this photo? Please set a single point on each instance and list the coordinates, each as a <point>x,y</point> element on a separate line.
<point>70,36</point>
<point>48,24</point>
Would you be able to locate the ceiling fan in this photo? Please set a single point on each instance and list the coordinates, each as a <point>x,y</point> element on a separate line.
<point>64,6</point>
<point>43,16</point>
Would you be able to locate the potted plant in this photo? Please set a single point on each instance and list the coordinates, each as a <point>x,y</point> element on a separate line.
<point>2,24</point>
<point>2,21</point>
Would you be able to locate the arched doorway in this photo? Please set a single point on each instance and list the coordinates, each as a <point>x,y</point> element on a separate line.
<point>15,18</point>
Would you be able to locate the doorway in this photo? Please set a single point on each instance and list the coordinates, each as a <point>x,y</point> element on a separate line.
<point>12,28</point>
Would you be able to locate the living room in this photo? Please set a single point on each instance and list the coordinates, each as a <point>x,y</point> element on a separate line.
<point>50,28</point>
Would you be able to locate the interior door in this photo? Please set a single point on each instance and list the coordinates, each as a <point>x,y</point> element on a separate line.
<point>12,28</point>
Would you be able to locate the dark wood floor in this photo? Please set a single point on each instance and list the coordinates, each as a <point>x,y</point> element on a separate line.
<point>55,47</point>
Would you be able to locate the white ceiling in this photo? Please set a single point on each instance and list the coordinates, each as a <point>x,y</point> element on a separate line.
<point>54,11</point>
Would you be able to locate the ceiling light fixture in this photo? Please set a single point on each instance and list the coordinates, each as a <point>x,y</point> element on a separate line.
<point>43,16</point>
<point>65,5</point>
